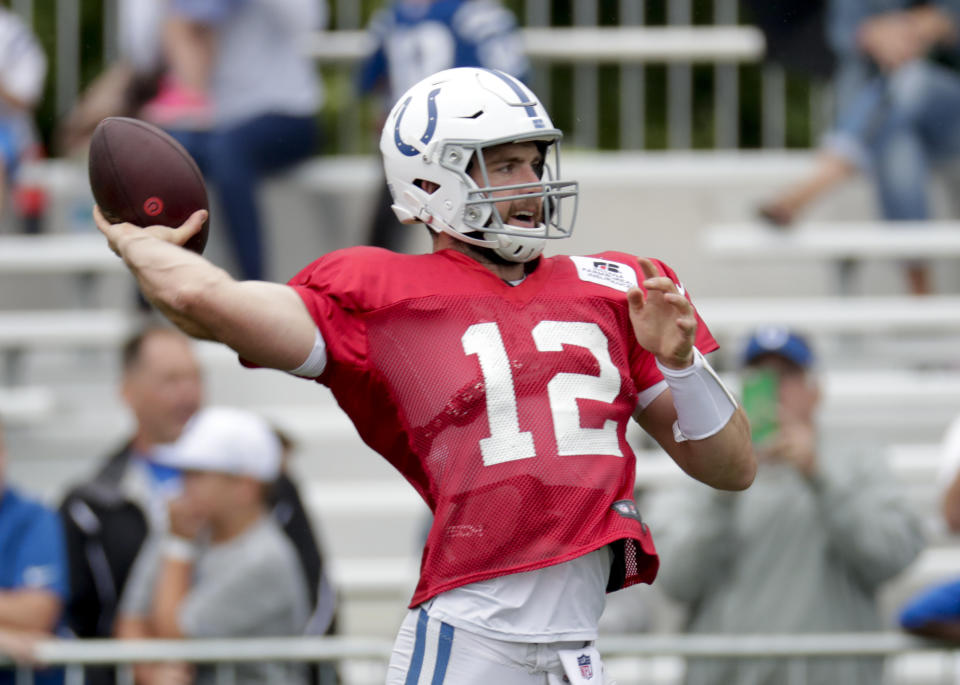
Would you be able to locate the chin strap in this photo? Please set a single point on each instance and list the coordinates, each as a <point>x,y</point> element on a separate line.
<point>517,247</point>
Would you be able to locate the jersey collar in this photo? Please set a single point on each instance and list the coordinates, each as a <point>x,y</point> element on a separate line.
<point>521,293</point>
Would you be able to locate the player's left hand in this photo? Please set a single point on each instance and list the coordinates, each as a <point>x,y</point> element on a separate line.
<point>663,319</point>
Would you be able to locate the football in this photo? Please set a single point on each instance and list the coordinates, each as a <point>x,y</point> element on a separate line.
<point>139,173</point>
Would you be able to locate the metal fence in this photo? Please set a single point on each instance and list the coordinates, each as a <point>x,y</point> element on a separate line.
<point>677,75</point>
<point>641,650</point>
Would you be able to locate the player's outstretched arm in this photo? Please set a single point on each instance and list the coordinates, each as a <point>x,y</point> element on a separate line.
<point>265,323</point>
<point>697,421</point>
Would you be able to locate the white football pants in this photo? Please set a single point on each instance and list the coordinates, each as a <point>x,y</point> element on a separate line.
<point>430,652</point>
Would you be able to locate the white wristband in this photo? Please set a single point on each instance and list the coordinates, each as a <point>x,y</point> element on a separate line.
<point>703,403</point>
<point>178,548</point>
<point>316,362</point>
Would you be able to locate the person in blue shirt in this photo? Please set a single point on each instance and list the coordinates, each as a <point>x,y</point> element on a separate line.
<point>935,610</point>
<point>416,38</point>
<point>898,106</point>
<point>33,576</point>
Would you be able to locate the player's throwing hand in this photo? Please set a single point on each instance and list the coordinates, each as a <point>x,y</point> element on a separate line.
<point>662,318</point>
<point>117,233</point>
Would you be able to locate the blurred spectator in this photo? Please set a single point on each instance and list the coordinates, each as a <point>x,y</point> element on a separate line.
<point>288,510</point>
<point>949,477</point>
<point>794,32</point>
<point>258,114</point>
<point>805,549</point>
<point>183,99</point>
<point>898,95</point>
<point>416,38</point>
<point>124,86</point>
<point>33,576</point>
<point>224,568</point>
<point>23,69</point>
<point>935,612</point>
<point>107,518</point>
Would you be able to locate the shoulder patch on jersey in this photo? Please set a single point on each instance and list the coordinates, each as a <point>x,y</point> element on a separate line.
<point>616,275</point>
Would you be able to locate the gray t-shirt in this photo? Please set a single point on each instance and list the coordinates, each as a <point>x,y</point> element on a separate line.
<point>261,66</point>
<point>251,586</point>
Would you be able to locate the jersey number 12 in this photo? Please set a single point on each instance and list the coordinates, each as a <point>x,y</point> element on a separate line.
<point>507,442</point>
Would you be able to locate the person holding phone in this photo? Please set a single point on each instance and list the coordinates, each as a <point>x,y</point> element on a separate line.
<point>805,549</point>
<point>781,396</point>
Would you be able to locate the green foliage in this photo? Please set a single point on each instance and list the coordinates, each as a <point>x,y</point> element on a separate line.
<point>348,121</point>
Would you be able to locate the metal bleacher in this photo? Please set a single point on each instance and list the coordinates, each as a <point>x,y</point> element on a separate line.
<point>835,240</point>
<point>846,245</point>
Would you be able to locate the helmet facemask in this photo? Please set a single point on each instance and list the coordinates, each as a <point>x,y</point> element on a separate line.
<point>557,200</point>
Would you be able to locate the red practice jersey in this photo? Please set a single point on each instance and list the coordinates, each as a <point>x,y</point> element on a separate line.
<point>506,407</point>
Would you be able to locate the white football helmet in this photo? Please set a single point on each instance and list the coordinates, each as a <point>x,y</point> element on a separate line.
<point>442,125</point>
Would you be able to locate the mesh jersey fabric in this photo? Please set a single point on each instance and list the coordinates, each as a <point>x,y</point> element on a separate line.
<point>505,407</point>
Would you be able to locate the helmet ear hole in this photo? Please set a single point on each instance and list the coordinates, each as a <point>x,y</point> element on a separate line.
<point>429,187</point>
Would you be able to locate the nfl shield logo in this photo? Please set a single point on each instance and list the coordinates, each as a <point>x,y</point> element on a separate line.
<point>586,668</point>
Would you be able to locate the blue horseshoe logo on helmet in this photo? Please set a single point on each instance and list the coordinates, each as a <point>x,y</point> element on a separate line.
<point>410,150</point>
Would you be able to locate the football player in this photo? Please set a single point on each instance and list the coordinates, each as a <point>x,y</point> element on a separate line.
<point>499,382</point>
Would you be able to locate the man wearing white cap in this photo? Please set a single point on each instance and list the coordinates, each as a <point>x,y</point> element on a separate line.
<point>225,568</point>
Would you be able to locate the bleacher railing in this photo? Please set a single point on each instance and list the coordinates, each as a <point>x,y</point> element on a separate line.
<point>225,654</point>
<point>612,80</point>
